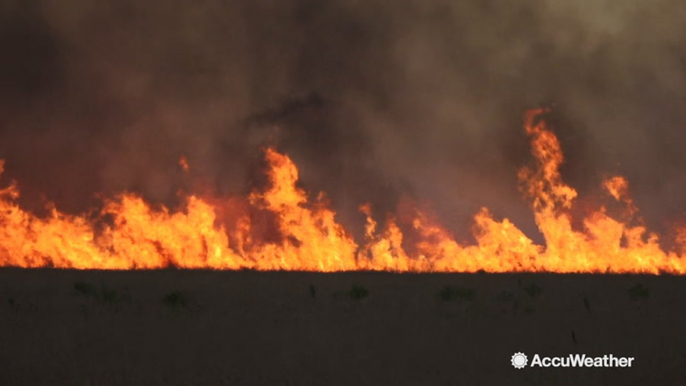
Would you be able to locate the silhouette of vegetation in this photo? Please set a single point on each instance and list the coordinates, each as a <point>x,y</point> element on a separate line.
<point>449,293</point>
<point>533,290</point>
<point>505,296</point>
<point>358,292</point>
<point>86,289</point>
<point>638,292</point>
<point>175,300</point>
<point>102,294</point>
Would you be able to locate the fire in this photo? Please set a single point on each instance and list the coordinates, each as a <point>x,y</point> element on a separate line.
<point>311,238</point>
<point>183,163</point>
<point>130,233</point>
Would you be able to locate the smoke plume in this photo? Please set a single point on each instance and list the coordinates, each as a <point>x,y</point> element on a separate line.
<point>376,101</point>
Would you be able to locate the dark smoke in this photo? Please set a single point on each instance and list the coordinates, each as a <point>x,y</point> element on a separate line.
<point>374,100</point>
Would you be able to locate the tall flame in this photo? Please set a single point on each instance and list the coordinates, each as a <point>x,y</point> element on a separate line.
<point>130,233</point>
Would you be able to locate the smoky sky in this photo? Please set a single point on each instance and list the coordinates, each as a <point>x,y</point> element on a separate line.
<point>376,101</point>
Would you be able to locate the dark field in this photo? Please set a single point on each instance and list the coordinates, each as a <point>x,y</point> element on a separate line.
<point>276,328</point>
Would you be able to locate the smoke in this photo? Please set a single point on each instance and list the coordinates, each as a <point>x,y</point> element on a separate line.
<point>375,101</point>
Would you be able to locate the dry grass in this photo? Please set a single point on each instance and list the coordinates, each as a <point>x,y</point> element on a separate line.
<point>267,328</point>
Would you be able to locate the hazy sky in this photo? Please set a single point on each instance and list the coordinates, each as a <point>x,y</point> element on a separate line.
<point>374,100</point>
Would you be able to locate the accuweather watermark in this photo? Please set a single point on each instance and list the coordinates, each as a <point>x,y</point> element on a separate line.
<point>519,360</point>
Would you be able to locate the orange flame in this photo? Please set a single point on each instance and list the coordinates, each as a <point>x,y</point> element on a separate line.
<point>183,162</point>
<point>132,234</point>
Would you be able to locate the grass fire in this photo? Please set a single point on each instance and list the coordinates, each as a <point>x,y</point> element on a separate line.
<point>130,233</point>
<point>337,193</point>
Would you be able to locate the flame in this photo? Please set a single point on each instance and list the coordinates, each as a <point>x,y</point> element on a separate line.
<point>311,238</point>
<point>130,233</point>
<point>183,163</point>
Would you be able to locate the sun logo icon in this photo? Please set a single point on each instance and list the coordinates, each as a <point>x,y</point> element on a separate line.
<point>519,360</point>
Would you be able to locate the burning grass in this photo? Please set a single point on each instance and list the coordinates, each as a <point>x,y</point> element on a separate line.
<point>138,235</point>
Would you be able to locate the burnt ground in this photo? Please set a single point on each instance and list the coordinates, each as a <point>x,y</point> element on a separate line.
<point>63,327</point>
